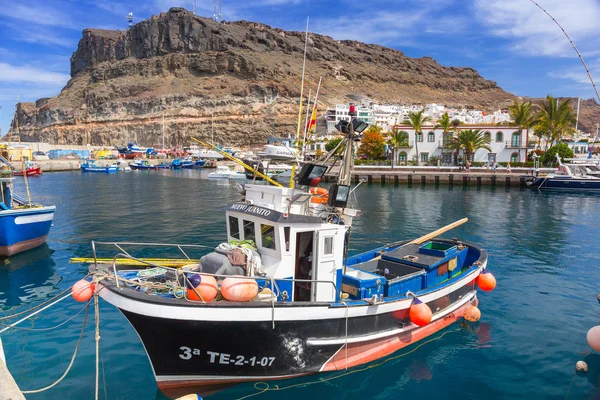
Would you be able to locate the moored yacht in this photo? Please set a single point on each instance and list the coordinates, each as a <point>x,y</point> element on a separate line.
<point>572,176</point>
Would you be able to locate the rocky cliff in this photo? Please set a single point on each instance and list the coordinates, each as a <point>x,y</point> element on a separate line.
<point>240,79</point>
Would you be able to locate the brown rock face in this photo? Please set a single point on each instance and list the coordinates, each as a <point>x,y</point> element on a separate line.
<point>243,76</point>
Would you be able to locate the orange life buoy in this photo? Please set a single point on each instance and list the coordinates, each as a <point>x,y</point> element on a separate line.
<point>321,195</point>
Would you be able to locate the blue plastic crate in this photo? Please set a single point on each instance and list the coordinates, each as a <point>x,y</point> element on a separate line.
<point>361,284</point>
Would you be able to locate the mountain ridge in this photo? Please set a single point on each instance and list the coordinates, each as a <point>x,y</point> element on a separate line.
<point>242,77</point>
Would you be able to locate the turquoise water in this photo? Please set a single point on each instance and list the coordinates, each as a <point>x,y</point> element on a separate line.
<point>544,252</point>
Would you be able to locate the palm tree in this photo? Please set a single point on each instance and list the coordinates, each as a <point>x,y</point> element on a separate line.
<point>470,140</point>
<point>445,124</point>
<point>521,115</point>
<point>416,120</point>
<point>555,118</point>
<point>396,140</point>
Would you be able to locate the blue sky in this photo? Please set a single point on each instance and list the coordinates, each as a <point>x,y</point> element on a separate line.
<point>508,41</point>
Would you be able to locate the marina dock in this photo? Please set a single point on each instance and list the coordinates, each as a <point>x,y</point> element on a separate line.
<point>443,175</point>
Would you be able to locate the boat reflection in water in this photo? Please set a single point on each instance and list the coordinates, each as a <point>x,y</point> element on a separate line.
<point>27,276</point>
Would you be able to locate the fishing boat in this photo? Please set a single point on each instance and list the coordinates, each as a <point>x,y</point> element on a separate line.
<point>90,166</point>
<point>187,163</point>
<point>204,154</point>
<point>292,302</point>
<point>146,165</point>
<point>569,177</point>
<point>23,226</point>
<point>31,169</point>
<point>131,151</point>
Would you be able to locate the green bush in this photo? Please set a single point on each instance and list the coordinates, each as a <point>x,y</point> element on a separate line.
<point>562,149</point>
<point>372,162</point>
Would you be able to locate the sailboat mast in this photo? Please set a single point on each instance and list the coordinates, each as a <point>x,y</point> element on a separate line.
<point>163,129</point>
<point>345,177</point>
<point>577,117</point>
<point>305,124</point>
<point>302,84</point>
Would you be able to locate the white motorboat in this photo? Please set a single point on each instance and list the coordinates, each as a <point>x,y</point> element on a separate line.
<point>222,172</point>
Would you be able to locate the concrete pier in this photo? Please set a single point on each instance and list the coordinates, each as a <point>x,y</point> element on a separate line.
<point>8,387</point>
<point>420,176</point>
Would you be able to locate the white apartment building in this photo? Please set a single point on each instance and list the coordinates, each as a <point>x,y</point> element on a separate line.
<point>506,143</point>
<point>386,116</point>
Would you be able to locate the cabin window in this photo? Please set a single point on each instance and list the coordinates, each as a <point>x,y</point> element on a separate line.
<point>328,246</point>
<point>267,236</point>
<point>234,227</point>
<point>286,234</point>
<point>249,233</point>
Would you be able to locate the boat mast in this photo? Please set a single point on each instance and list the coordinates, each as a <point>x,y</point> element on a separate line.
<point>577,117</point>
<point>302,84</point>
<point>163,129</point>
<point>345,177</point>
<point>307,130</point>
<point>305,124</point>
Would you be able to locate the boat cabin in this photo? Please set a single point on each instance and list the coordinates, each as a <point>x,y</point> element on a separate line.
<point>300,251</point>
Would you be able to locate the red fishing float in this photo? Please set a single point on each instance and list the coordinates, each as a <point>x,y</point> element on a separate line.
<point>82,290</point>
<point>206,286</point>
<point>486,281</point>
<point>420,314</point>
<point>472,314</point>
<point>239,289</point>
<point>593,338</point>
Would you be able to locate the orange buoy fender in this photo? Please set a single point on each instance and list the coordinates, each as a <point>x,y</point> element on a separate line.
<point>486,281</point>
<point>593,338</point>
<point>82,290</point>
<point>239,289</point>
<point>472,314</point>
<point>420,314</point>
<point>205,285</point>
<point>322,195</point>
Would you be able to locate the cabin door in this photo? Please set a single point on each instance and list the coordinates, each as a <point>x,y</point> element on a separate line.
<point>324,268</point>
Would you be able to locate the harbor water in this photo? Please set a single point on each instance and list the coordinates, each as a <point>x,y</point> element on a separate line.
<point>544,251</point>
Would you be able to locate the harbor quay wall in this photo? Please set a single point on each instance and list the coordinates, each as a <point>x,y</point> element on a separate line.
<point>435,176</point>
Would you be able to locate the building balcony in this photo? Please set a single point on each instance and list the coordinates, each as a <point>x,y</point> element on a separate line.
<point>514,145</point>
<point>407,145</point>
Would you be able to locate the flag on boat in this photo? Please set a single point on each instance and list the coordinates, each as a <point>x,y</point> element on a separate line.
<point>312,124</point>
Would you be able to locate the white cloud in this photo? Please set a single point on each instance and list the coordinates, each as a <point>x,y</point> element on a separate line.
<point>37,14</point>
<point>534,33</point>
<point>28,74</point>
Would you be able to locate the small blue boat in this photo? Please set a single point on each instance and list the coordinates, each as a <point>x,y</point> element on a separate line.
<point>22,226</point>
<point>187,163</point>
<point>90,166</point>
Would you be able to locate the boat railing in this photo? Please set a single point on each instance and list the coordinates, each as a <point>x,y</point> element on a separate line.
<point>275,290</point>
<point>119,246</point>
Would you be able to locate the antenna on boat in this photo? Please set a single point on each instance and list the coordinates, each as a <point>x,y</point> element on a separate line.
<point>574,47</point>
<point>302,84</point>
